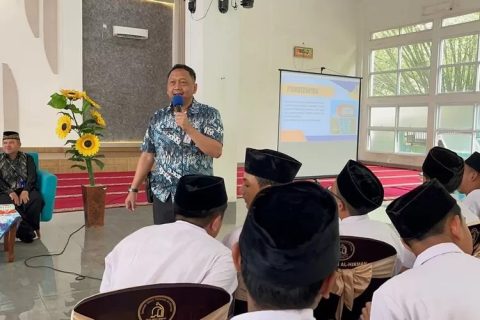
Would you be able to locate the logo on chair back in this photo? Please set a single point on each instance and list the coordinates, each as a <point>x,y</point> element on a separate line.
<point>475,233</point>
<point>157,308</point>
<point>347,249</point>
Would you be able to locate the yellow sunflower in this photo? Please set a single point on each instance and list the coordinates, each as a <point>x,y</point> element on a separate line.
<point>64,126</point>
<point>72,94</point>
<point>88,145</point>
<point>90,100</point>
<point>98,118</point>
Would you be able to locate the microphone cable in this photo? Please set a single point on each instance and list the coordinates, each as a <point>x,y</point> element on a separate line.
<point>78,276</point>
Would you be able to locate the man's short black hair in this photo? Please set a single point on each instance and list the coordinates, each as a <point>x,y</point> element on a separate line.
<point>184,67</point>
<point>201,221</point>
<point>450,187</point>
<point>351,210</point>
<point>439,227</point>
<point>262,182</point>
<point>271,296</point>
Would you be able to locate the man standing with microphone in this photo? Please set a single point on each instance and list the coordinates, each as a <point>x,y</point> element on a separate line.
<point>181,139</point>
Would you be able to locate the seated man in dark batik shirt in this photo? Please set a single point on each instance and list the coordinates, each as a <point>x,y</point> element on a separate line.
<point>18,177</point>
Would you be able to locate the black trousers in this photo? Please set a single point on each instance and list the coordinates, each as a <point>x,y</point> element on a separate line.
<point>30,211</point>
<point>163,211</point>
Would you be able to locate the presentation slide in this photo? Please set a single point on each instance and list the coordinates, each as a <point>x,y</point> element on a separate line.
<point>318,120</point>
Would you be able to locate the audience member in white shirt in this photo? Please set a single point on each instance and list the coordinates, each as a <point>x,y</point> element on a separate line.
<point>358,191</point>
<point>263,168</point>
<point>471,183</point>
<point>447,167</point>
<point>184,251</point>
<point>445,278</point>
<point>288,251</point>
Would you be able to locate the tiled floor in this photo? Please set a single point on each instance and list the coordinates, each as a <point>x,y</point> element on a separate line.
<point>40,293</point>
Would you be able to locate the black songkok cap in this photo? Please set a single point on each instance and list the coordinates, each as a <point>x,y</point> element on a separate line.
<point>197,194</point>
<point>271,165</point>
<point>474,161</point>
<point>360,187</point>
<point>417,211</point>
<point>290,236</point>
<point>11,135</point>
<point>445,166</point>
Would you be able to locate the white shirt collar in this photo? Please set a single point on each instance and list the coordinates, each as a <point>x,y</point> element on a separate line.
<point>435,251</point>
<point>353,219</point>
<point>190,225</point>
<point>474,191</point>
<point>301,314</point>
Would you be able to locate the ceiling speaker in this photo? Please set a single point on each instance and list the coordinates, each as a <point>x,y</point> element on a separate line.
<point>247,3</point>
<point>223,6</point>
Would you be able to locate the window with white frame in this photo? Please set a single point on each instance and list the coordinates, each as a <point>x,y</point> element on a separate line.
<point>433,69</point>
<point>469,17</point>
<point>403,70</point>
<point>459,61</point>
<point>402,30</point>
<point>400,129</point>
<point>458,128</point>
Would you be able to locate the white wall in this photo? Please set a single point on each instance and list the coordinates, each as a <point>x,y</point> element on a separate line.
<point>238,54</point>
<point>35,80</point>
<point>269,32</point>
<point>212,49</point>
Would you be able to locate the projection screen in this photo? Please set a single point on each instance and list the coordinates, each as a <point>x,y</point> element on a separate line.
<point>318,120</point>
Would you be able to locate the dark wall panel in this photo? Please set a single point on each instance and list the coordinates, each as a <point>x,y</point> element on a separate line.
<point>126,76</point>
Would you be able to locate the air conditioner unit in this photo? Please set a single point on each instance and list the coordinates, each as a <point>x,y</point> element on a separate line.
<point>131,33</point>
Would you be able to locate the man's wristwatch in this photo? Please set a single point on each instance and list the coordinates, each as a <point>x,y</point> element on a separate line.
<point>132,190</point>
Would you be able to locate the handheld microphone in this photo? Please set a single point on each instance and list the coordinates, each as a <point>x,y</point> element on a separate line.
<point>177,103</point>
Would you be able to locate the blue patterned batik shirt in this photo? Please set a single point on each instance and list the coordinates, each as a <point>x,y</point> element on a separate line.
<point>175,154</point>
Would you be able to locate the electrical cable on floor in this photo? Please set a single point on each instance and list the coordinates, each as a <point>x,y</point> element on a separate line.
<point>78,275</point>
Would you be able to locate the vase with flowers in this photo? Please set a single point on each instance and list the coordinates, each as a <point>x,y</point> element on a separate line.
<point>87,123</point>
